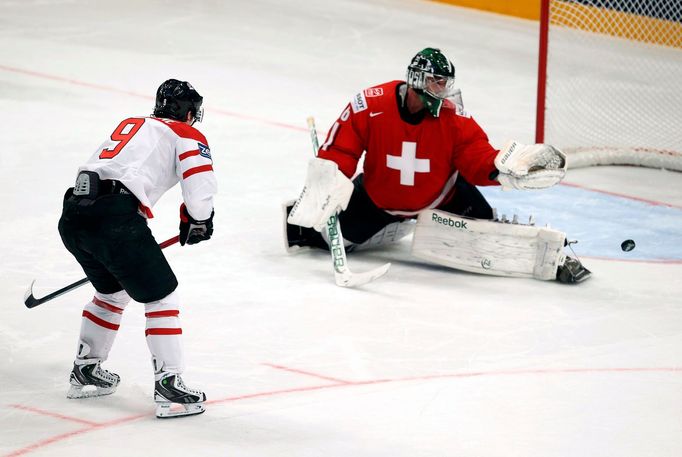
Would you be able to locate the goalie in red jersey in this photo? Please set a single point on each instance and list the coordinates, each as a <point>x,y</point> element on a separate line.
<point>422,152</point>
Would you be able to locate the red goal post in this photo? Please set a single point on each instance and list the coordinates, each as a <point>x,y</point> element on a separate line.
<point>610,81</point>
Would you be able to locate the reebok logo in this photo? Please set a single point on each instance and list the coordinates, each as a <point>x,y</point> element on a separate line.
<point>448,222</point>
<point>375,114</point>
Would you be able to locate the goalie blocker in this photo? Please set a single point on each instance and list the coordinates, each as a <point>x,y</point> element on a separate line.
<point>494,248</point>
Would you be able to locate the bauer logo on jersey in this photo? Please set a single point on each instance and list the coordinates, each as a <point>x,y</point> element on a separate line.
<point>359,103</point>
<point>374,92</point>
<point>204,151</point>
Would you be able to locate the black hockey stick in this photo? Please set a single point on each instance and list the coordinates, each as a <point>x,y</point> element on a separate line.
<point>31,302</point>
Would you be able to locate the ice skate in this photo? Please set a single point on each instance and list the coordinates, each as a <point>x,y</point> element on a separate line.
<point>88,379</point>
<point>572,271</point>
<point>174,399</point>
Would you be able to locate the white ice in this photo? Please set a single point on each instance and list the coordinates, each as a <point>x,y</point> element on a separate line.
<point>425,361</point>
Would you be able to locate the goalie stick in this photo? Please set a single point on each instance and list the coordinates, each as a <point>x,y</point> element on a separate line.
<point>31,302</point>
<point>342,274</point>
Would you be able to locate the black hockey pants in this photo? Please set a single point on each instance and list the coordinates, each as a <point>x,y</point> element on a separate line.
<point>115,247</point>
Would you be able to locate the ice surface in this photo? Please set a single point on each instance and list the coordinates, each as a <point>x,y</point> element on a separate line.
<point>423,362</point>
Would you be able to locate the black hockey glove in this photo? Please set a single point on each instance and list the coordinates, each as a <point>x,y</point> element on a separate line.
<point>193,231</point>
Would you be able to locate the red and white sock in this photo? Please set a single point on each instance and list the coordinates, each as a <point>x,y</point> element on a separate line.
<point>164,334</point>
<point>100,323</point>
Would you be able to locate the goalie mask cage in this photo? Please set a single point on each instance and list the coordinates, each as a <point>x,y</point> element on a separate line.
<point>610,81</point>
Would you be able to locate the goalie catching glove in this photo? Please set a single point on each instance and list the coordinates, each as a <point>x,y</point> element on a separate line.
<point>326,192</point>
<point>193,231</point>
<point>534,166</point>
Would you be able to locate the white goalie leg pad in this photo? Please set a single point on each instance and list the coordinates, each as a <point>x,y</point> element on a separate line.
<point>100,324</point>
<point>390,234</point>
<point>326,192</point>
<point>164,334</point>
<point>488,247</point>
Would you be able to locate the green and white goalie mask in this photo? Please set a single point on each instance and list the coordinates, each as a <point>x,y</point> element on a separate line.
<point>432,76</point>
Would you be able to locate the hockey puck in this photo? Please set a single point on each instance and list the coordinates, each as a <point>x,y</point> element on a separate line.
<point>627,245</point>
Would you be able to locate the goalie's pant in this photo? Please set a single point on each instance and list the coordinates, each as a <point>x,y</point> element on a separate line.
<point>362,219</point>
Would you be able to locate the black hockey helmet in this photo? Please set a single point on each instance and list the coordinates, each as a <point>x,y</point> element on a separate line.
<point>432,76</point>
<point>174,99</point>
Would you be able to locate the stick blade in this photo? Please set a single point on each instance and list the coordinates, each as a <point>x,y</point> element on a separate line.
<point>29,300</point>
<point>349,279</point>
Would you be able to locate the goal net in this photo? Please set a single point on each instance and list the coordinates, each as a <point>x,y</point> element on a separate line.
<point>610,81</point>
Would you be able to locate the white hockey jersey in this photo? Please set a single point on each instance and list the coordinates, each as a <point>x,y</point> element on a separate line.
<point>150,155</point>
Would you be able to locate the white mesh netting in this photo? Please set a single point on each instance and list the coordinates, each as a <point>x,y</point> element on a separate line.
<point>614,81</point>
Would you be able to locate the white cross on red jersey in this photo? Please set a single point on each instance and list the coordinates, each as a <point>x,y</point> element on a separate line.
<point>150,155</point>
<point>408,164</point>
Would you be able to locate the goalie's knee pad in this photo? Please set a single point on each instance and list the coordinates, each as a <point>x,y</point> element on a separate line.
<point>488,247</point>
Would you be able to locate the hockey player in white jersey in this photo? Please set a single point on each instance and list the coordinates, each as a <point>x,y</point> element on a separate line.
<point>104,225</point>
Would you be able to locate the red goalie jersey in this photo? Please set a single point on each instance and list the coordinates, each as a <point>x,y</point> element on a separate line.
<point>410,164</point>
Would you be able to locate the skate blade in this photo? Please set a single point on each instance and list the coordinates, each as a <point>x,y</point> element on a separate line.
<point>167,410</point>
<point>82,392</point>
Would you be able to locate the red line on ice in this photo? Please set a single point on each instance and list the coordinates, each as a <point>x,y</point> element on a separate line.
<point>616,194</point>
<point>306,373</point>
<point>63,436</point>
<point>272,393</point>
<point>51,414</point>
<point>43,443</point>
<point>77,82</point>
